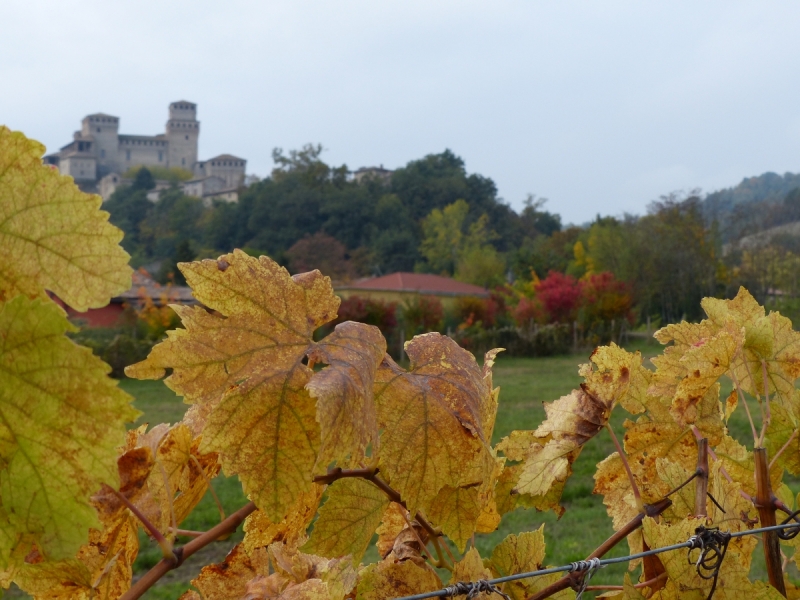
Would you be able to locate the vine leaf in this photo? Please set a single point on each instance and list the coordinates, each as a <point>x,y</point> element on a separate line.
<point>394,520</point>
<point>547,454</point>
<point>348,519</point>
<point>518,554</point>
<point>470,568</point>
<point>260,532</point>
<point>244,369</point>
<point>52,235</point>
<point>433,418</point>
<point>390,579</point>
<point>61,421</point>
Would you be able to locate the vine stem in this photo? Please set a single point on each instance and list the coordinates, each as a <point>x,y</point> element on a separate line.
<point>722,469</point>
<point>163,543</point>
<point>765,504</point>
<point>164,566</point>
<point>650,510</point>
<point>371,474</point>
<point>744,402</point>
<point>784,447</point>
<point>624,459</point>
<point>638,586</point>
<point>768,419</point>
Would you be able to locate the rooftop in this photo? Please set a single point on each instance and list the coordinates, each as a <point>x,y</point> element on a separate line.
<point>223,157</point>
<point>422,283</point>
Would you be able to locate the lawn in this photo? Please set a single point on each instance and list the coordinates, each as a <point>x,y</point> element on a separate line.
<point>525,384</point>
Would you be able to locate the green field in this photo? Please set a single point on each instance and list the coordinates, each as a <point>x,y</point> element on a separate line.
<point>525,384</point>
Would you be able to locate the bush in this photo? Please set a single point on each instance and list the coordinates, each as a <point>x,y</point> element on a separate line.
<point>118,348</point>
<point>372,312</point>
<point>470,310</point>
<point>422,314</point>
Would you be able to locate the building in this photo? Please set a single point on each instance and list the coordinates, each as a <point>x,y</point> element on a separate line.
<point>98,154</point>
<point>143,289</point>
<point>365,173</point>
<point>399,287</point>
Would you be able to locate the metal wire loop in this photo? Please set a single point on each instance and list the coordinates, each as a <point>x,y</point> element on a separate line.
<point>589,568</point>
<point>713,544</point>
<point>472,589</point>
<point>789,534</point>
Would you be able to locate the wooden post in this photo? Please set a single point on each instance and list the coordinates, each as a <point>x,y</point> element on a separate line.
<point>765,504</point>
<point>701,481</point>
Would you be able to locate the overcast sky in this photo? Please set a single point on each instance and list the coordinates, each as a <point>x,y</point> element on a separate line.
<point>599,106</point>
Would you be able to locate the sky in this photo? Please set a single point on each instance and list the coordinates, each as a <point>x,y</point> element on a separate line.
<point>600,107</point>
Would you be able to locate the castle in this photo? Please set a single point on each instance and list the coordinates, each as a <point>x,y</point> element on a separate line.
<point>99,155</point>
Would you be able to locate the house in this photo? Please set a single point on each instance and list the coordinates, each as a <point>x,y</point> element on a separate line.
<point>401,287</point>
<point>144,288</point>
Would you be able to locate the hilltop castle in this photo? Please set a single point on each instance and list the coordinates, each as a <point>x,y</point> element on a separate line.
<point>99,155</point>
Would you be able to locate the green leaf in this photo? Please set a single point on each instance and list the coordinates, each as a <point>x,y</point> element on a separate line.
<point>61,421</point>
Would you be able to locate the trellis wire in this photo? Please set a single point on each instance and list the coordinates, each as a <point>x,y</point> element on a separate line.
<point>581,565</point>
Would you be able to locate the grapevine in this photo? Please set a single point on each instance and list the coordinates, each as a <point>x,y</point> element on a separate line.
<point>334,442</point>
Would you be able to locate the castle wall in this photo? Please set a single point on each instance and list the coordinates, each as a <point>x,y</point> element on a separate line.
<point>183,131</point>
<point>226,167</point>
<point>136,150</point>
<point>81,167</point>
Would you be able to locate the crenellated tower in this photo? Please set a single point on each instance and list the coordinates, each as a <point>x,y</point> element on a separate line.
<point>183,130</point>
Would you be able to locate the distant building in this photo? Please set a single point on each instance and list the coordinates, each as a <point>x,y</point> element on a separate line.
<point>379,173</point>
<point>99,154</point>
<point>399,287</point>
<point>143,289</point>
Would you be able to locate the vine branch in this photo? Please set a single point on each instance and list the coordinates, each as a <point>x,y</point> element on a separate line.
<point>624,459</point>
<point>164,566</point>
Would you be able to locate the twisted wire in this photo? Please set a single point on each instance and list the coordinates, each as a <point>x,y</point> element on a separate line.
<point>472,589</point>
<point>589,567</point>
<point>713,544</point>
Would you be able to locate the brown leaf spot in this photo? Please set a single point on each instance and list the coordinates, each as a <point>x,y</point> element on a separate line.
<point>222,264</point>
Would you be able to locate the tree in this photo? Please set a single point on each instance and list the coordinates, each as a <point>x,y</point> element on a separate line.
<point>323,252</point>
<point>143,180</point>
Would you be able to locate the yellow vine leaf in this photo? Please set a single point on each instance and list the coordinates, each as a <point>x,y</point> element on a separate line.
<point>613,377</point>
<point>62,420</point>
<point>390,579</point>
<point>392,523</point>
<point>433,420</point>
<point>261,532</point>
<point>785,417</point>
<point>732,584</point>
<point>471,568</point>
<point>518,554</point>
<point>52,235</point>
<point>244,368</point>
<point>348,519</point>
<point>229,578</point>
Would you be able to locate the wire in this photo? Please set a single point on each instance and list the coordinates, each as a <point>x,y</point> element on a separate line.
<point>582,565</point>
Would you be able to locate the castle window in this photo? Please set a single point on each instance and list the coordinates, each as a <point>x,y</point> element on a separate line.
<point>98,130</point>
<point>187,137</point>
<point>127,155</point>
<point>160,156</point>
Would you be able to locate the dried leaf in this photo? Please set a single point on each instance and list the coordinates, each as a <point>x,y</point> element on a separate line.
<point>390,579</point>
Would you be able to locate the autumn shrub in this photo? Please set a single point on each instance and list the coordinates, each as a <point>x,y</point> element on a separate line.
<point>560,296</point>
<point>380,313</point>
<point>422,314</point>
<point>470,310</point>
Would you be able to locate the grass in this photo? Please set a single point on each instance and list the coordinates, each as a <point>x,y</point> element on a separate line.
<point>525,384</point>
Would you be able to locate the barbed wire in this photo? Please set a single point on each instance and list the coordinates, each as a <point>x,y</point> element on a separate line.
<point>704,539</point>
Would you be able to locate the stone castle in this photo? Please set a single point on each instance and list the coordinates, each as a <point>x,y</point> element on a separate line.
<point>99,156</point>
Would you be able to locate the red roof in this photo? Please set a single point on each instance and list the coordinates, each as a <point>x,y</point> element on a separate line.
<point>423,283</point>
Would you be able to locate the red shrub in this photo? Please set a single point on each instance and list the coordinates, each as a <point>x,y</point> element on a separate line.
<point>529,310</point>
<point>372,312</point>
<point>606,298</point>
<point>560,296</point>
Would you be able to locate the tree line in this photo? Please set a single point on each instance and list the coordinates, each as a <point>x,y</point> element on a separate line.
<point>434,216</point>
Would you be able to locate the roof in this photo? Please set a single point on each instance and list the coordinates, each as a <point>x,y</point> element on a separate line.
<point>423,283</point>
<point>145,286</point>
<point>184,102</point>
<point>224,157</point>
<point>103,115</point>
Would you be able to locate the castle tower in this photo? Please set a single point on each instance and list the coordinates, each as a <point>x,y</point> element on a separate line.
<point>103,130</point>
<point>183,129</point>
